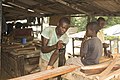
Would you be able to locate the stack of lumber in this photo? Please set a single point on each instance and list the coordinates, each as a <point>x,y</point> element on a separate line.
<point>48,73</point>
<point>108,70</point>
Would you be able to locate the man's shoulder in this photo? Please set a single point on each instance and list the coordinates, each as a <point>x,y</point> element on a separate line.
<point>48,32</point>
<point>94,39</point>
<point>50,28</point>
<point>65,34</point>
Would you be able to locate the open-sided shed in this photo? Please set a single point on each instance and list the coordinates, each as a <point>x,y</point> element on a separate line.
<point>21,9</point>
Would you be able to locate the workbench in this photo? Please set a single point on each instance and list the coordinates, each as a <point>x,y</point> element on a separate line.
<point>19,60</point>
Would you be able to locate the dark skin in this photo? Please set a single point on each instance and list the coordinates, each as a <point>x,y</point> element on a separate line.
<point>101,24</point>
<point>60,30</point>
<point>106,52</point>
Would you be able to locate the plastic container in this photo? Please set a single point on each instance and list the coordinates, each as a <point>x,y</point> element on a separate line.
<point>23,41</point>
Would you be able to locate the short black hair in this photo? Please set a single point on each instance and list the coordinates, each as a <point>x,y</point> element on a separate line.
<point>100,19</point>
<point>64,20</point>
<point>93,26</point>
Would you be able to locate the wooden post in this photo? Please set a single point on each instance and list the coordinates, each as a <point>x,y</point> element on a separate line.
<point>73,46</point>
<point>110,46</point>
<point>0,31</point>
<point>88,19</point>
<point>117,45</point>
<point>20,63</point>
<point>42,24</point>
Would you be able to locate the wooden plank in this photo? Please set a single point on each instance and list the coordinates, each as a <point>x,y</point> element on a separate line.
<point>28,53</point>
<point>98,71</point>
<point>111,75</point>
<point>28,48</point>
<point>58,71</point>
<point>101,65</point>
<point>108,69</point>
<point>48,73</point>
<point>8,47</point>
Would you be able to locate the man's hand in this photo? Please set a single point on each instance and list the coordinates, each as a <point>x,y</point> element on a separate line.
<point>49,67</point>
<point>105,45</point>
<point>59,44</point>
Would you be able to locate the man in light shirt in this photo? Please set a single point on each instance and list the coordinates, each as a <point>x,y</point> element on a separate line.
<point>101,22</point>
<point>53,39</point>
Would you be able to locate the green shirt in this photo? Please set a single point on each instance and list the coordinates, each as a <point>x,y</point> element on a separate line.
<point>50,33</point>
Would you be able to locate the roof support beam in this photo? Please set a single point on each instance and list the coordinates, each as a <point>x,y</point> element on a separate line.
<point>23,6</point>
<point>71,6</point>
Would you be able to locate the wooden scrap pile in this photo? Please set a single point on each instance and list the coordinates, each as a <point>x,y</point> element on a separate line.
<point>109,70</point>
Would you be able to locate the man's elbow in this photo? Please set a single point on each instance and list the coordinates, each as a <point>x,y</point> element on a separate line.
<point>43,50</point>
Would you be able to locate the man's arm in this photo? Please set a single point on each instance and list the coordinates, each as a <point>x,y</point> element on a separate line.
<point>53,58</point>
<point>81,51</point>
<point>46,48</point>
<point>82,54</point>
<point>84,49</point>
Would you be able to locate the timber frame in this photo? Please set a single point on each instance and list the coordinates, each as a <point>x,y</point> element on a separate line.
<point>21,9</point>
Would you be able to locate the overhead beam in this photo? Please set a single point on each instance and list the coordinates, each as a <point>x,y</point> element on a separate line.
<point>46,8</point>
<point>23,6</point>
<point>21,11</point>
<point>102,7</point>
<point>17,3</point>
<point>33,7</point>
<point>71,6</point>
<point>55,6</point>
<point>45,5</point>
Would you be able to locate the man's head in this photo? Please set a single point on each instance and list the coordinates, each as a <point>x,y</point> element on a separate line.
<point>92,29</point>
<point>63,25</point>
<point>101,22</point>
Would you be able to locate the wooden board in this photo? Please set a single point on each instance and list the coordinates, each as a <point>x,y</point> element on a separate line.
<point>112,74</point>
<point>99,70</point>
<point>48,73</point>
<point>108,69</point>
<point>101,65</point>
<point>63,70</point>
